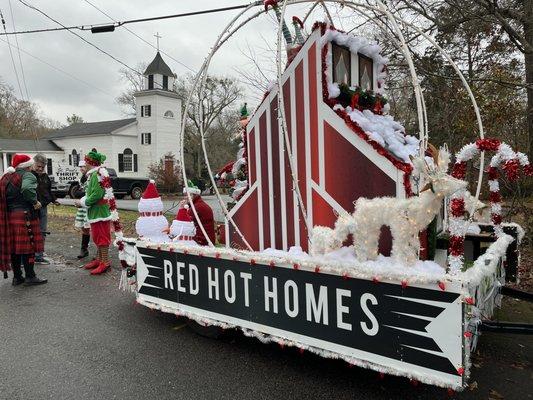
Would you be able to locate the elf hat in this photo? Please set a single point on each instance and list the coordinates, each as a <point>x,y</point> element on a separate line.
<point>21,161</point>
<point>191,188</point>
<point>94,158</point>
<point>183,214</point>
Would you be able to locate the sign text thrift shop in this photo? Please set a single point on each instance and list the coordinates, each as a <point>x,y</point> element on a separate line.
<point>381,323</point>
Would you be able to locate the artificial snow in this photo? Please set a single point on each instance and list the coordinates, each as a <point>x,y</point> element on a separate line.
<point>384,130</point>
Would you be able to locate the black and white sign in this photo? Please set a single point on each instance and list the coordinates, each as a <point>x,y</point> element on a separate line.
<point>415,330</point>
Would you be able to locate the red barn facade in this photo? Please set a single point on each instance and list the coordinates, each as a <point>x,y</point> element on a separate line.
<point>334,166</point>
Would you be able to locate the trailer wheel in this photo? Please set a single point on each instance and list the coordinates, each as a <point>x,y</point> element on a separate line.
<point>210,331</point>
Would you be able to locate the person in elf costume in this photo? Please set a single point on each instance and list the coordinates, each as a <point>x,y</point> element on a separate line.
<point>205,214</point>
<point>81,222</point>
<point>98,213</point>
<point>20,231</point>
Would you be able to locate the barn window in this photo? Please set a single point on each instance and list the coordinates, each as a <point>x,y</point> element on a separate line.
<point>150,82</point>
<point>342,70</point>
<point>127,161</point>
<point>169,114</point>
<point>366,72</point>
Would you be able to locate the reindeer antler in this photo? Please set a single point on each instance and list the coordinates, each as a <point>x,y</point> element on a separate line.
<point>434,153</point>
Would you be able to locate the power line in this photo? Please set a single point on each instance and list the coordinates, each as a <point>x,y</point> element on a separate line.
<point>18,51</point>
<point>59,69</point>
<point>81,37</point>
<point>138,36</point>
<point>131,21</point>
<point>12,58</point>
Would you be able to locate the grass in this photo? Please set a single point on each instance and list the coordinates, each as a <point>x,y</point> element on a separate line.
<point>61,218</point>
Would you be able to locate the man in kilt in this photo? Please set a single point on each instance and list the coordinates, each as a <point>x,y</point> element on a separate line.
<point>98,212</point>
<point>20,232</point>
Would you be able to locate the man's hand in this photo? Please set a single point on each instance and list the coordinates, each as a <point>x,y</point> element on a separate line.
<point>166,231</point>
<point>37,206</point>
<point>77,203</point>
<point>182,203</point>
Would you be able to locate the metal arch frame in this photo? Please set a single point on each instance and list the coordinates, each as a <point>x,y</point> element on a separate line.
<point>382,9</point>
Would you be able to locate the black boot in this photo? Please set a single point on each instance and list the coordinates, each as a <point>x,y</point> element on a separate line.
<point>84,252</point>
<point>17,270</point>
<point>31,279</point>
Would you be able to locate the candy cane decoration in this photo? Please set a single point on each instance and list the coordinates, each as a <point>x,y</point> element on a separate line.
<point>510,162</point>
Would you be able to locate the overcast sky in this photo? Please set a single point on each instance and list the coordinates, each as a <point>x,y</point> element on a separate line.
<point>185,39</point>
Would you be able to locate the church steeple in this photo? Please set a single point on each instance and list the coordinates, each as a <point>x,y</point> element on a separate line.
<point>158,75</point>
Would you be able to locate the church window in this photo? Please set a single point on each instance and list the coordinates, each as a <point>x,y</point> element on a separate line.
<point>49,166</point>
<point>146,138</point>
<point>127,161</point>
<point>146,111</point>
<point>169,114</point>
<point>150,82</point>
<point>366,72</point>
<point>342,70</point>
<point>165,82</point>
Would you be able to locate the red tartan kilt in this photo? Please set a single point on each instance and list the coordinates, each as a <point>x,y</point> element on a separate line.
<point>19,235</point>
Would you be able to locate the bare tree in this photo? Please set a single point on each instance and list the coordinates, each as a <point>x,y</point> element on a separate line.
<point>134,83</point>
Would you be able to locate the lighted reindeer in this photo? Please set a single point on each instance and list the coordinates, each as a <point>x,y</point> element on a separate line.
<point>405,217</point>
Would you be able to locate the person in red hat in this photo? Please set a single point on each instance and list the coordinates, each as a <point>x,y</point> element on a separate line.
<point>20,232</point>
<point>205,214</point>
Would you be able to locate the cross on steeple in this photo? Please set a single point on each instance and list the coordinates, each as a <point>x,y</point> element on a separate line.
<point>158,36</point>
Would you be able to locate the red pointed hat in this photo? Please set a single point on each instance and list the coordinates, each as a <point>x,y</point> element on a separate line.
<point>21,161</point>
<point>151,191</point>
<point>183,214</point>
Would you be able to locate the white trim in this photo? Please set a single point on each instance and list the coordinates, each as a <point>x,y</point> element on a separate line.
<point>26,164</point>
<point>383,163</point>
<point>294,153</point>
<point>270,180</point>
<point>325,195</point>
<point>259,187</point>
<point>92,221</point>
<point>282,192</point>
<point>307,123</point>
<point>320,119</point>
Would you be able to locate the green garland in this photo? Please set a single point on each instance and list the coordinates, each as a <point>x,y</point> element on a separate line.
<point>361,99</point>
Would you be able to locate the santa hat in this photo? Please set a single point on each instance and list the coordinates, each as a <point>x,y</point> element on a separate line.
<point>183,214</point>
<point>150,200</point>
<point>21,161</point>
<point>191,188</point>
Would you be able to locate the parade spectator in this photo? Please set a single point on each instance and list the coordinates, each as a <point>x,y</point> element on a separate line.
<point>20,231</point>
<point>205,214</point>
<point>45,197</point>
<point>98,212</point>
<point>81,222</point>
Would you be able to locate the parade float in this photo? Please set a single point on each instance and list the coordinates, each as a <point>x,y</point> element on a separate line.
<point>326,247</point>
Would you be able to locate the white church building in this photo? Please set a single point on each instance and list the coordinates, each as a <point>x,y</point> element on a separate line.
<point>130,145</point>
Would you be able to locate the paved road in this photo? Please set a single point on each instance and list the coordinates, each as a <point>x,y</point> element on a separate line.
<point>170,205</point>
<point>80,338</point>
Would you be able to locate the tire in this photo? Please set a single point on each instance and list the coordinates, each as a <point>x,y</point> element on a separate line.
<point>212,332</point>
<point>136,192</point>
<point>71,191</point>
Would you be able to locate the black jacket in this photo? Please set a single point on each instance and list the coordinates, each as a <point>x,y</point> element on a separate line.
<point>44,189</point>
